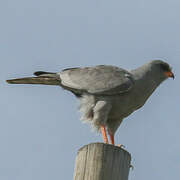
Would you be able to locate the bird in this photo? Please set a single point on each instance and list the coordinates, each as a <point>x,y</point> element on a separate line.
<point>107,93</point>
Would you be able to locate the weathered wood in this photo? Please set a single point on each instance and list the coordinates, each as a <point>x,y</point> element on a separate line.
<point>98,161</point>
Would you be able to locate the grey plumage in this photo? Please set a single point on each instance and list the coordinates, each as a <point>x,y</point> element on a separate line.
<point>107,94</point>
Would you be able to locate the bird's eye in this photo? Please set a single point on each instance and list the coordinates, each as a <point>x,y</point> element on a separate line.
<point>165,67</point>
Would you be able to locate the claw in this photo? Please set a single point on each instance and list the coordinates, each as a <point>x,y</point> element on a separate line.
<point>120,146</point>
<point>131,166</point>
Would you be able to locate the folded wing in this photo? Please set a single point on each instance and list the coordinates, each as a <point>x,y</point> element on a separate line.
<point>102,80</point>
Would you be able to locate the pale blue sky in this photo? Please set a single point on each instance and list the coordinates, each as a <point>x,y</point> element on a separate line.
<point>40,130</point>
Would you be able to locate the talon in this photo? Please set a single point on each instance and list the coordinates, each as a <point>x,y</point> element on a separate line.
<point>131,167</point>
<point>120,146</point>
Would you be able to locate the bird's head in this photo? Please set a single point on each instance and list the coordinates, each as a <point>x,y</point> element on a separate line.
<point>162,69</point>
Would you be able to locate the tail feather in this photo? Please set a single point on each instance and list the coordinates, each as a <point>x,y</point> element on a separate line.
<point>45,80</point>
<point>43,73</point>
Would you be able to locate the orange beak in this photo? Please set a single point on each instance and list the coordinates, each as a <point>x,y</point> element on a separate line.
<point>169,74</point>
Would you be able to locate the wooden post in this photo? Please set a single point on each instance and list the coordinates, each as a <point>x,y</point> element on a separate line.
<point>99,161</point>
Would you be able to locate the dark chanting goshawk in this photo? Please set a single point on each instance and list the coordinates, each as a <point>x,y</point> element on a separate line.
<point>107,94</point>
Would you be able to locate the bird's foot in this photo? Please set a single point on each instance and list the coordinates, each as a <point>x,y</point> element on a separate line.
<point>120,146</point>
<point>131,167</point>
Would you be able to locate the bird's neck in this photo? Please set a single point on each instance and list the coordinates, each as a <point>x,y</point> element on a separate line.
<point>146,81</point>
<point>148,76</point>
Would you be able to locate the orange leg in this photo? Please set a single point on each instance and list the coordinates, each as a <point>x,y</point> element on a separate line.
<point>111,136</point>
<point>103,132</point>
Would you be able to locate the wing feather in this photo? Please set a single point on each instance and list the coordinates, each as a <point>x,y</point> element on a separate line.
<point>102,80</point>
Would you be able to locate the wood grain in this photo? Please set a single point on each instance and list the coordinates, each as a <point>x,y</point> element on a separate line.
<point>99,161</point>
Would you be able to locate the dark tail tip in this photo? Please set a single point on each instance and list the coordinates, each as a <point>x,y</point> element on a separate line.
<point>12,81</point>
<point>8,81</point>
<point>40,73</point>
